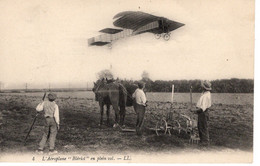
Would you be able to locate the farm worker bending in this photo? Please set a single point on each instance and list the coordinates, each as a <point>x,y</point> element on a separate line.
<point>51,114</point>
<point>203,105</point>
<point>139,106</point>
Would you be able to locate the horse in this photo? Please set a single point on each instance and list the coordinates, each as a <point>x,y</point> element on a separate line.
<point>108,94</point>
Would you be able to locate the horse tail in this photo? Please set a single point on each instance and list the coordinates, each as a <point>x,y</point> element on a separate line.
<point>122,95</point>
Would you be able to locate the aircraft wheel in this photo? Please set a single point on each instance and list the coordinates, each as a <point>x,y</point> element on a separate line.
<point>166,36</point>
<point>157,36</point>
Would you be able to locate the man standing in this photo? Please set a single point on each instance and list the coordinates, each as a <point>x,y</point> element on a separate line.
<point>203,106</point>
<point>139,106</point>
<point>51,114</point>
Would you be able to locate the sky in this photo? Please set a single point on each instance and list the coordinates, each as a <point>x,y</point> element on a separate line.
<point>46,42</point>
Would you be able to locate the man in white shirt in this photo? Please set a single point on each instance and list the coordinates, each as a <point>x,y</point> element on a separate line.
<point>139,106</point>
<point>203,104</point>
<point>51,114</point>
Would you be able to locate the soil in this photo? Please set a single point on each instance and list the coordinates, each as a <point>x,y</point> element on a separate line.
<point>230,127</point>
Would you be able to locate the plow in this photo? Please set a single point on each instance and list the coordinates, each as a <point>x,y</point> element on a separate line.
<point>177,122</point>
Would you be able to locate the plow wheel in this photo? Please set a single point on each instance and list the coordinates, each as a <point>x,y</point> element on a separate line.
<point>175,126</point>
<point>161,127</point>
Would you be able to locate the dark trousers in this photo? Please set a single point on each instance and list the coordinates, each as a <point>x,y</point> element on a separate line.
<point>140,111</point>
<point>203,118</point>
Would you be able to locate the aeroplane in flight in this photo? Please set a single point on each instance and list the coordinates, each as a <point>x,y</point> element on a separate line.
<point>133,23</point>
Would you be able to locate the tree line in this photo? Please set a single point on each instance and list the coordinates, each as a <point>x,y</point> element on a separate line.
<point>233,85</point>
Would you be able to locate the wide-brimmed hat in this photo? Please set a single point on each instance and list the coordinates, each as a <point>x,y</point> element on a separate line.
<point>206,85</point>
<point>52,96</point>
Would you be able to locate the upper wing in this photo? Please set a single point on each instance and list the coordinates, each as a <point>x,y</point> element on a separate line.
<point>141,22</point>
<point>133,20</point>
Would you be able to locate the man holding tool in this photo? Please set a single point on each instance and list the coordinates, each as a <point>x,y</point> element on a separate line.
<point>33,121</point>
<point>51,114</point>
<point>203,105</point>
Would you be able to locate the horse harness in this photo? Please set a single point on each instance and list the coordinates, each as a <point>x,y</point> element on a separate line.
<point>124,90</point>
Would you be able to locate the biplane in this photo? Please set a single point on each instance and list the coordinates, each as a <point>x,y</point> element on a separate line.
<point>133,23</point>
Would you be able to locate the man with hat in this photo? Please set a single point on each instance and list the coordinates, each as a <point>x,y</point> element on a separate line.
<point>203,105</point>
<point>139,106</point>
<point>51,114</point>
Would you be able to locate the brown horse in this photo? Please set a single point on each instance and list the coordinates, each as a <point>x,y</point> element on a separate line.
<point>113,94</point>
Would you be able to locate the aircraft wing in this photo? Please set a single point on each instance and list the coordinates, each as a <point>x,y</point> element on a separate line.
<point>172,25</point>
<point>98,41</point>
<point>111,30</point>
<point>141,22</point>
<point>133,20</point>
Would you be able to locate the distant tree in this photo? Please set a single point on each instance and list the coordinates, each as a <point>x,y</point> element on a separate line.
<point>145,75</point>
<point>233,85</point>
<point>148,82</point>
<point>105,74</point>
